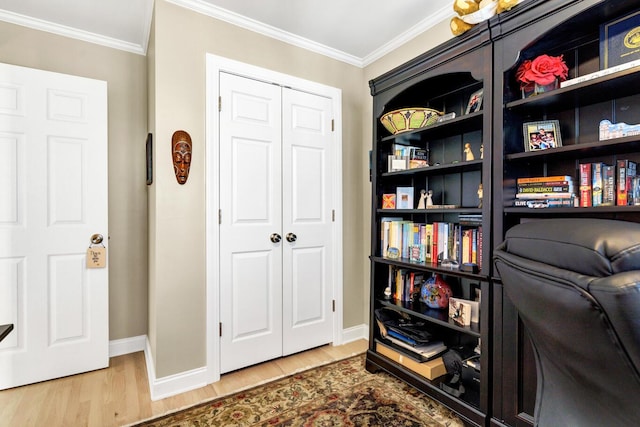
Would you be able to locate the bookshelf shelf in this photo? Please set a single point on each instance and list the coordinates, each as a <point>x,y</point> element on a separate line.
<point>440,317</point>
<point>405,263</point>
<point>439,169</point>
<point>616,85</point>
<point>463,123</point>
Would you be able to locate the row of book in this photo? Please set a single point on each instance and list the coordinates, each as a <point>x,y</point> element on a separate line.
<point>405,284</point>
<point>407,157</point>
<point>437,243</point>
<point>609,185</point>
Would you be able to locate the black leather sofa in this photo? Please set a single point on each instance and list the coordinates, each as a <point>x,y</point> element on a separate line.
<point>576,286</point>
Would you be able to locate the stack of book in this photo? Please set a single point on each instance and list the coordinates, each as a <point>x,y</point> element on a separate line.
<point>409,335</point>
<point>545,192</point>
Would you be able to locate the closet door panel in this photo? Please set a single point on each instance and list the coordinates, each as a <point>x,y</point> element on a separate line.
<point>307,221</point>
<point>251,211</point>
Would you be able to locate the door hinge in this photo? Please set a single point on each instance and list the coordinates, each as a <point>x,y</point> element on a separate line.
<point>333,215</point>
<point>219,216</point>
<point>334,306</point>
<point>333,125</point>
<point>220,328</point>
<point>219,103</point>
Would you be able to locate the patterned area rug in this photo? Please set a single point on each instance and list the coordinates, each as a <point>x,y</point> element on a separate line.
<point>339,394</point>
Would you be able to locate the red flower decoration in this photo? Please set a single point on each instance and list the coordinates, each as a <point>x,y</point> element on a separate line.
<point>543,70</point>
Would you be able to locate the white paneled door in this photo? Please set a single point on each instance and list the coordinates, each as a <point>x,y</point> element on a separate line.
<point>276,277</point>
<point>53,198</point>
<point>307,192</point>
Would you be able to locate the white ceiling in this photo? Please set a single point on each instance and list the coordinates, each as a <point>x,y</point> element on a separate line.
<point>353,31</point>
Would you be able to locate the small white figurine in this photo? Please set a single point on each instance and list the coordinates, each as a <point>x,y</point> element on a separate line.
<point>480,191</point>
<point>429,199</point>
<point>468,154</point>
<point>482,151</point>
<point>423,198</point>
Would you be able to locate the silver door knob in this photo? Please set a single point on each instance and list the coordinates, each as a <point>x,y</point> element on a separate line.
<point>275,237</point>
<point>291,237</point>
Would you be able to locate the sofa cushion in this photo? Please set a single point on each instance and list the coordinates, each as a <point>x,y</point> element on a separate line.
<point>594,247</point>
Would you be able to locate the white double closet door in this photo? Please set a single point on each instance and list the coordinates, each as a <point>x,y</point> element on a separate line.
<point>276,268</point>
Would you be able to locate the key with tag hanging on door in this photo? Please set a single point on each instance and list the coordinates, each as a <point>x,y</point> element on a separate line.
<point>96,255</point>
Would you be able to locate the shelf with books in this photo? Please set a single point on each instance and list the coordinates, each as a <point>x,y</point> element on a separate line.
<point>448,245</point>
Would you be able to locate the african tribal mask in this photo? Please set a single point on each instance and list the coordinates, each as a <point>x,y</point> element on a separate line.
<point>181,153</point>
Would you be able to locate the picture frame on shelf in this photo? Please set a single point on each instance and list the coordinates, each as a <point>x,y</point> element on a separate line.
<point>541,135</point>
<point>475,102</point>
<point>404,198</point>
<point>618,40</point>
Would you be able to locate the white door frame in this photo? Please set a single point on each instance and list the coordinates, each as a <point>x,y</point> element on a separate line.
<point>214,65</point>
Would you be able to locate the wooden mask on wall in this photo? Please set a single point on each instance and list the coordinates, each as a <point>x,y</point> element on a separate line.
<point>181,153</point>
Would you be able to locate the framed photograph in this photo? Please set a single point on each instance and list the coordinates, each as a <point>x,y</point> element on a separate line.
<point>475,102</point>
<point>619,42</point>
<point>404,198</point>
<point>541,135</point>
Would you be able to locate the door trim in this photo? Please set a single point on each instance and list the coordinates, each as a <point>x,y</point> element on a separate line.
<point>214,65</point>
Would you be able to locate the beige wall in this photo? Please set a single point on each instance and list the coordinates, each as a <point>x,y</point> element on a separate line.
<point>171,310</point>
<point>126,77</point>
<point>181,40</point>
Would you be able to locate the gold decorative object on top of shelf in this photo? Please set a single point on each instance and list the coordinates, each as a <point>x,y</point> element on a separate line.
<point>406,119</point>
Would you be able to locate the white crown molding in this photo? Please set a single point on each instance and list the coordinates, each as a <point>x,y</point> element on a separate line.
<point>62,30</point>
<point>208,9</point>
<point>411,33</point>
<point>225,15</point>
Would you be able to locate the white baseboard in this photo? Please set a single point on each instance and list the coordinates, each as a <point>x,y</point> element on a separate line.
<point>127,345</point>
<point>355,333</point>
<point>160,388</point>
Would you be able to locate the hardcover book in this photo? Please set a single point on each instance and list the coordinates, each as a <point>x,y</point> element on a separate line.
<point>544,203</point>
<point>597,183</point>
<point>626,170</point>
<point>609,185</point>
<point>563,195</point>
<point>586,195</point>
<point>419,158</point>
<point>544,179</point>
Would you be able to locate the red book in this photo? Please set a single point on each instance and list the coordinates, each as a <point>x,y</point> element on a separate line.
<point>585,185</point>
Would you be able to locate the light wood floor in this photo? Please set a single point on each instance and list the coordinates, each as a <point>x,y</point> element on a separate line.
<point>119,394</point>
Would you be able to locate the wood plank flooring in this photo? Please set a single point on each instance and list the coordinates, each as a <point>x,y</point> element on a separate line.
<point>119,394</point>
